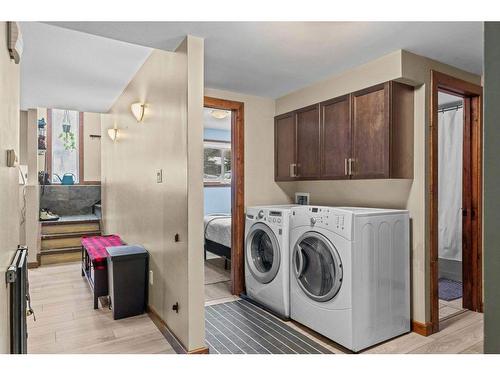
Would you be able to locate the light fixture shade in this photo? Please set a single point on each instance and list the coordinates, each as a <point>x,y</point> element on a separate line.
<point>138,111</point>
<point>113,134</point>
<point>219,114</point>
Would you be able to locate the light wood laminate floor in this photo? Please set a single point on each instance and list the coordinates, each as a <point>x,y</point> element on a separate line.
<point>66,321</point>
<point>447,309</point>
<point>462,333</point>
<point>217,279</point>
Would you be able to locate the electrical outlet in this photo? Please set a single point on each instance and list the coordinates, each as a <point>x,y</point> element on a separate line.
<point>159,176</point>
<point>150,277</point>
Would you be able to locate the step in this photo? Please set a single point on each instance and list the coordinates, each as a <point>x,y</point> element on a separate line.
<point>59,241</point>
<point>56,257</point>
<point>55,228</point>
<point>62,250</point>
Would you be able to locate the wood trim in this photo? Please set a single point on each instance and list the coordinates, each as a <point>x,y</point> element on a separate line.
<point>215,184</point>
<point>237,189</point>
<point>48,151</point>
<point>473,101</point>
<point>90,183</point>
<point>81,149</point>
<point>203,350</point>
<point>424,329</point>
<point>32,265</point>
<point>165,331</point>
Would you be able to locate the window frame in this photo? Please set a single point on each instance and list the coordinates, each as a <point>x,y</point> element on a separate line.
<point>81,149</point>
<point>227,146</point>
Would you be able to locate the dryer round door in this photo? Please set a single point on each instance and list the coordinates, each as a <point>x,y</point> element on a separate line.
<point>262,253</point>
<point>317,266</point>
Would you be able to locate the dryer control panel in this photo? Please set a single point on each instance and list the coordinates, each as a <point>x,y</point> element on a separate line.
<point>335,220</point>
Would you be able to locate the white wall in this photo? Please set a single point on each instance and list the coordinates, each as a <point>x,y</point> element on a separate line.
<point>144,212</point>
<point>9,177</point>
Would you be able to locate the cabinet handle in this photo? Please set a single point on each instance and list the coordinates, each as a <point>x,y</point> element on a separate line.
<point>346,171</point>
<point>292,170</point>
<point>350,166</point>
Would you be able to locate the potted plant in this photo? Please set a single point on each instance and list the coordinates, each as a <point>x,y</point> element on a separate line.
<point>67,137</point>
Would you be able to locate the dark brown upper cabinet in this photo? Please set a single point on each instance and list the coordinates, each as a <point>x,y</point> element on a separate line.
<point>364,135</point>
<point>382,132</point>
<point>284,147</point>
<point>335,119</point>
<point>293,159</point>
<point>308,143</point>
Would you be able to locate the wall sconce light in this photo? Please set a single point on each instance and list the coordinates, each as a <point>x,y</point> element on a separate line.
<point>138,110</point>
<point>113,134</point>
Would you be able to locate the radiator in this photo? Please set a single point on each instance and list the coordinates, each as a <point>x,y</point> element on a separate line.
<point>17,279</point>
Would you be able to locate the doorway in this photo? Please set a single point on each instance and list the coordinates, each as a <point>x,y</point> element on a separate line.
<point>224,220</point>
<point>455,198</point>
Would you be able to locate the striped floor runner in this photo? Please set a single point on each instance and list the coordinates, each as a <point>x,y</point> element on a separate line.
<point>240,327</point>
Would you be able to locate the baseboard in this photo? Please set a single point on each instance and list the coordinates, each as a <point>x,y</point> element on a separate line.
<point>33,265</point>
<point>169,336</point>
<point>424,329</point>
<point>203,350</point>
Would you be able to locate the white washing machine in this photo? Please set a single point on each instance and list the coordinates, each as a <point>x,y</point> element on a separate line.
<point>350,275</point>
<point>267,258</point>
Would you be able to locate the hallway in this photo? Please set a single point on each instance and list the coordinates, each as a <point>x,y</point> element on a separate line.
<point>67,323</point>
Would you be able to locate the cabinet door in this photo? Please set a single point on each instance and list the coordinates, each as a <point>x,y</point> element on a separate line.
<point>335,137</point>
<point>370,133</point>
<point>284,147</point>
<point>308,162</point>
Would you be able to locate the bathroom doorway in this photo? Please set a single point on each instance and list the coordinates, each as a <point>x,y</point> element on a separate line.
<point>455,201</point>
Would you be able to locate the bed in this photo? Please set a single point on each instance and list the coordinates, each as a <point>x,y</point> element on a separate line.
<point>218,236</point>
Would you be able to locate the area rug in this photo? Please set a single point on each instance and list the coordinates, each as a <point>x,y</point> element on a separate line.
<point>449,289</point>
<point>239,327</point>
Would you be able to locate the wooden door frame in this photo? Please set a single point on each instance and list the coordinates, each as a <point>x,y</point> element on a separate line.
<point>472,95</point>
<point>237,189</point>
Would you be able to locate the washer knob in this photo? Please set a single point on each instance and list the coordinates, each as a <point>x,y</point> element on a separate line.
<point>313,221</point>
<point>260,215</point>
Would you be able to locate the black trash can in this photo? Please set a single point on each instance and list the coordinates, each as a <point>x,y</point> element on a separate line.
<point>127,280</point>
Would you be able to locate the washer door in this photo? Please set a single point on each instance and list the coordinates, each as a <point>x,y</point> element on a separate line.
<point>317,266</point>
<point>262,253</point>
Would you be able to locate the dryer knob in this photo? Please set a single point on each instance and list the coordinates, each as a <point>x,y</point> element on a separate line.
<point>313,221</point>
<point>260,215</point>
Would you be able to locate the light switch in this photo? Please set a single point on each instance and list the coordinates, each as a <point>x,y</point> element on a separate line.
<point>159,176</point>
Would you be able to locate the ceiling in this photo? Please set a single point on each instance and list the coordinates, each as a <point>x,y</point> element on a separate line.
<point>61,68</point>
<point>261,58</point>
<point>274,58</point>
<point>210,122</point>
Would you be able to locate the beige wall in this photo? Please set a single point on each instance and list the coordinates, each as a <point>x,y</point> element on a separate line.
<point>145,212</point>
<point>91,146</point>
<point>9,180</point>
<point>260,187</point>
<point>409,194</point>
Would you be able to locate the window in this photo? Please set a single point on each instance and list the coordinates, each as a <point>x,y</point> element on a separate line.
<point>217,163</point>
<point>65,150</point>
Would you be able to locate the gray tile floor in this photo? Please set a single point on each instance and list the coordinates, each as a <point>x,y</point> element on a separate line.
<point>240,327</point>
